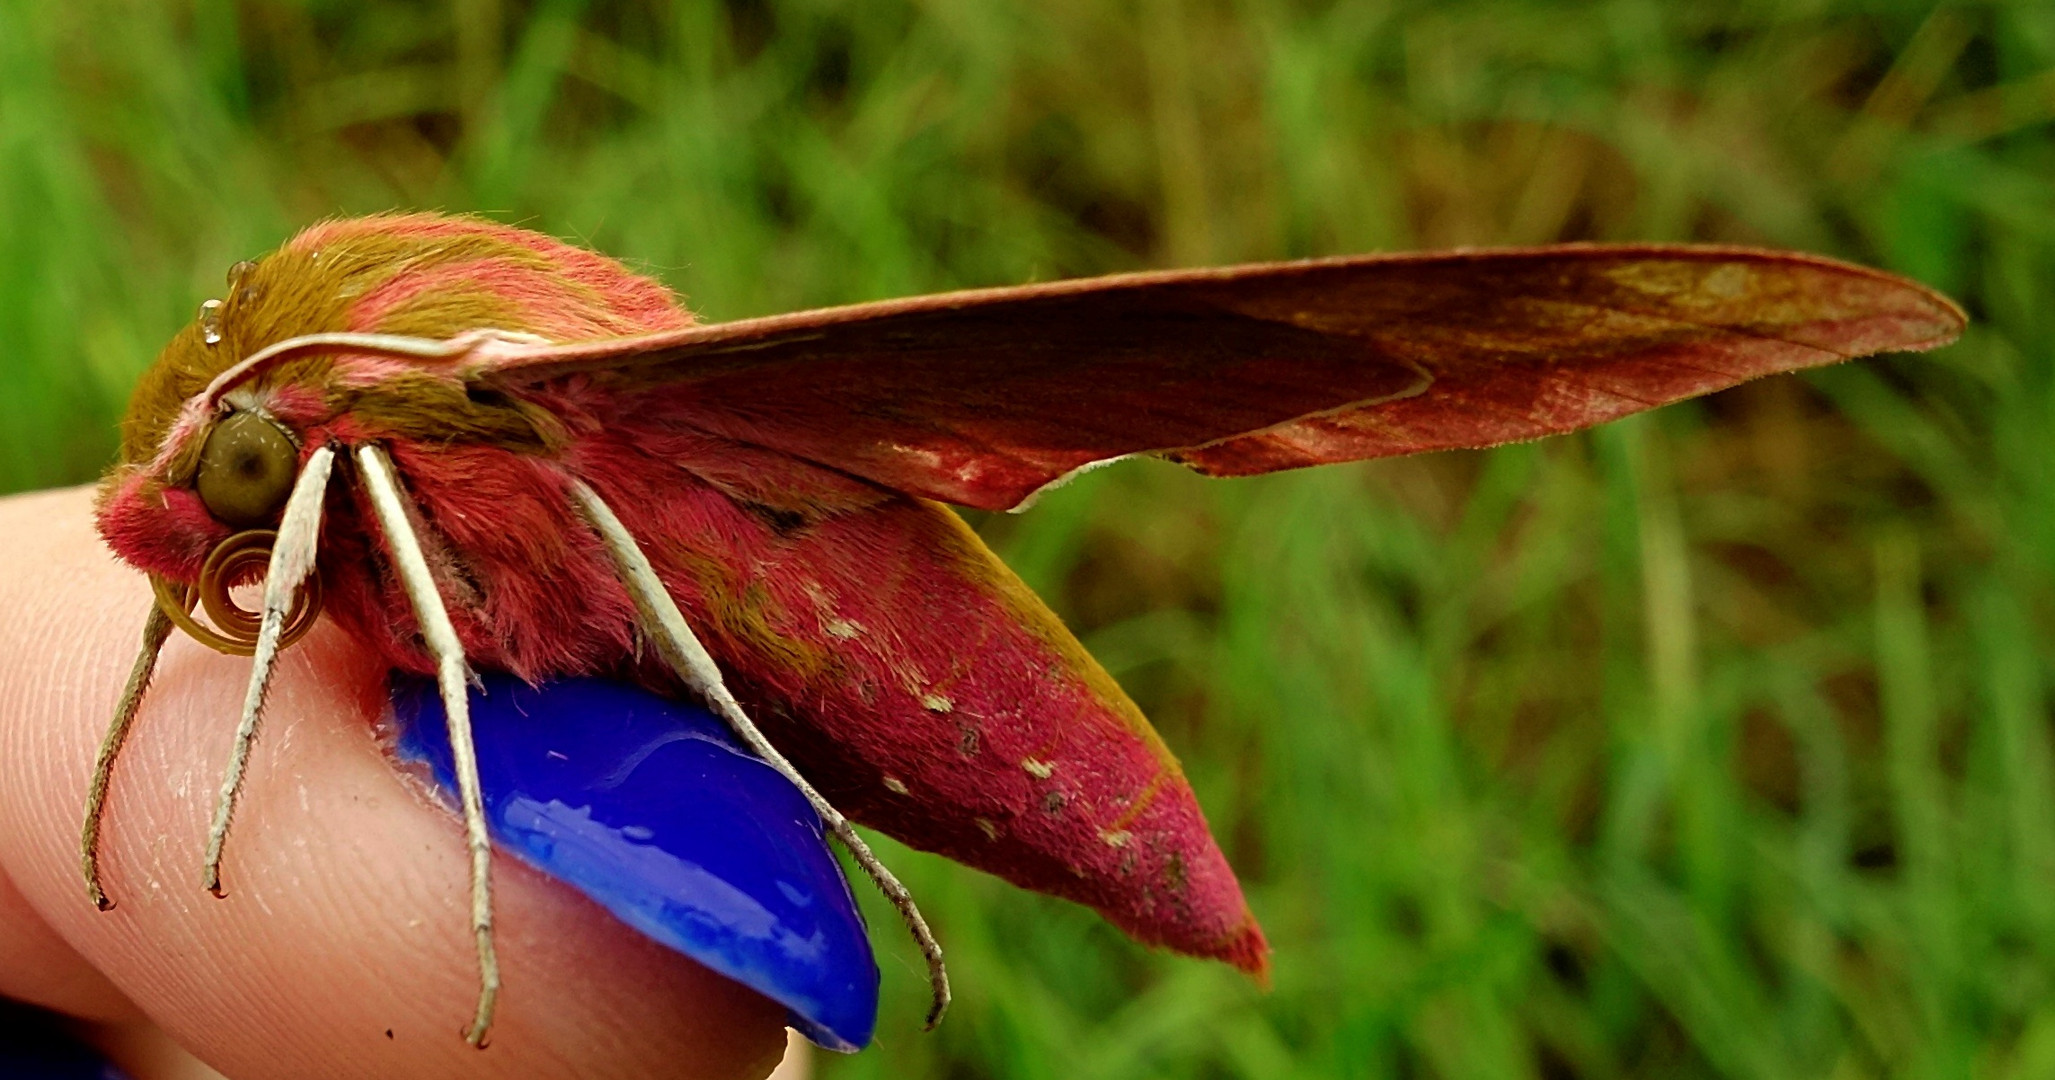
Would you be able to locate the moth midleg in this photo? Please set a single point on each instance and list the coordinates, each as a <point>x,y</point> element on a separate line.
<point>688,657</point>
<point>292,559</point>
<point>452,677</point>
<point>156,630</point>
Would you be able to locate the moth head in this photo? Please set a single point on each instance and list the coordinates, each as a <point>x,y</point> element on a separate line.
<point>200,461</point>
<point>230,472</point>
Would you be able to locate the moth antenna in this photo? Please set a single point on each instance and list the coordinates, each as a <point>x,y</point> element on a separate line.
<point>156,630</point>
<point>682,649</point>
<point>292,559</point>
<point>452,677</point>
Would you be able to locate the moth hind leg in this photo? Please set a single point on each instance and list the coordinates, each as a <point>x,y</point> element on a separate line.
<point>687,656</point>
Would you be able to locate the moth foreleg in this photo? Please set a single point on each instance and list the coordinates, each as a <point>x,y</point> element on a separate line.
<point>292,559</point>
<point>687,656</point>
<point>453,677</point>
<point>156,630</point>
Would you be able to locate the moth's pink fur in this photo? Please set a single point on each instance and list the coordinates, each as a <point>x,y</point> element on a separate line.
<point>167,531</point>
<point>628,302</point>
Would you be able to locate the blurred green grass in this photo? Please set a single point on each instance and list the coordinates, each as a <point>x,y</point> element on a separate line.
<point>1714,743</point>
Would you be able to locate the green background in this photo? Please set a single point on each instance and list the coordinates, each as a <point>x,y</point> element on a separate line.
<point>1714,743</point>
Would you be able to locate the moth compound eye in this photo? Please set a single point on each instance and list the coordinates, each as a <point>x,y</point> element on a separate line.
<point>246,470</point>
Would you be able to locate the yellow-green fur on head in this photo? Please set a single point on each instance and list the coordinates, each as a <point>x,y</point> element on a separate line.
<point>420,275</point>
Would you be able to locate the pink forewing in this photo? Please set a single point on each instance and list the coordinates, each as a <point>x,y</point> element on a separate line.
<point>983,397</point>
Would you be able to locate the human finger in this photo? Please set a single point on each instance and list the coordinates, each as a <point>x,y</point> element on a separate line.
<point>342,947</point>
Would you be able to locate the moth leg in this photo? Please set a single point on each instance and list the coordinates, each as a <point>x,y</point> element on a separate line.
<point>682,649</point>
<point>156,630</point>
<point>453,677</point>
<point>292,559</point>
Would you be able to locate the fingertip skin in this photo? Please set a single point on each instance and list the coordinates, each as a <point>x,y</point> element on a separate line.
<point>40,968</point>
<point>346,886</point>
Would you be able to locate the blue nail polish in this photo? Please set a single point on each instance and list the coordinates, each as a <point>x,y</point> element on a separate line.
<point>647,805</point>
